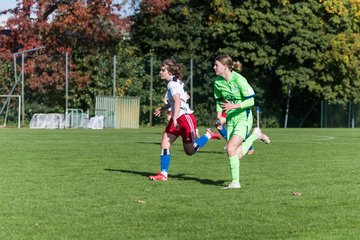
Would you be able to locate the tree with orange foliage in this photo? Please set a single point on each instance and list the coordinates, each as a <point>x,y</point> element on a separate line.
<point>84,29</point>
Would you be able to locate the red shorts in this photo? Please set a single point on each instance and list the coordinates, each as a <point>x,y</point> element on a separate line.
<point>223,114</point>
<point>186,128</point>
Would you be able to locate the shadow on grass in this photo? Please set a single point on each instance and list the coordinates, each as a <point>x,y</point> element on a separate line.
<point>155,143</point>
<point>181,177</point>
<point>212,152</point>
<point>152,133</point>
<point>199,152</point>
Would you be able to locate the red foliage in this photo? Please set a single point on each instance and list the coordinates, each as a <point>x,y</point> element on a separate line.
<point>60,26</point>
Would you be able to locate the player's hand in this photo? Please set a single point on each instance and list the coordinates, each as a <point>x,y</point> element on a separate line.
<point>228,105</point>
<point>157,112</point>
<point>176,125</point>
<point>218,124</point>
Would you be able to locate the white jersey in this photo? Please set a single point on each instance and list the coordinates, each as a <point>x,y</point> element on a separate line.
<point>177,87</point>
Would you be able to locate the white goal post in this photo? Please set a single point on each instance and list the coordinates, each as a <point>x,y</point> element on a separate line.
<point>47,120</point>
<point>19,106</point>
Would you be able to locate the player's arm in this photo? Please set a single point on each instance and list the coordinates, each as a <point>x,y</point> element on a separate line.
<point>248,93</point>
<point>219,108</point>
<point>166,106</point>
<point>177,103</point>
<point>162,109</point>
<point>219,111</point>
<point>218,100</point>
<point>227,105</point>
<point>247,103</point>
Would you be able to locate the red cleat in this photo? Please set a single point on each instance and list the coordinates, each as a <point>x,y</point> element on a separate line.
<point>158,177</point>
<point>213,135</point>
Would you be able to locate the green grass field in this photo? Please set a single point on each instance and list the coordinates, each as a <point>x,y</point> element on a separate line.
<point>92,184</point>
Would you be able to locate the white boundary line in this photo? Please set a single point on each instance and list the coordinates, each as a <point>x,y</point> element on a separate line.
<point>303,139</point>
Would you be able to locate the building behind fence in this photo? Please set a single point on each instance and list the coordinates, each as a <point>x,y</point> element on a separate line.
<point>118,112</point>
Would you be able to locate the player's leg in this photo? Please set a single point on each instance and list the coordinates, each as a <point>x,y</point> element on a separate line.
<point>251,150</point>
<point>191,143</point>
<point>238,129</point>
<point>197,144</point>
<point>262,136</point>
<point>243,128</point>
<point>247,144</point>
<point>169,136</point>
<point>233,147</point>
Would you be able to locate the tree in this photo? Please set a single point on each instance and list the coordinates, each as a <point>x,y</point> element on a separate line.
<point>282,44</point>
<point>84,29</point>
<point>178,32</point>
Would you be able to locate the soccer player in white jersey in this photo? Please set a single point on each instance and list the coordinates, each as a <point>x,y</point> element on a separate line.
<point>182,122</point>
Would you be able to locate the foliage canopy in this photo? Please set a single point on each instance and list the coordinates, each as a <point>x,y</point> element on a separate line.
<point>309,48</point>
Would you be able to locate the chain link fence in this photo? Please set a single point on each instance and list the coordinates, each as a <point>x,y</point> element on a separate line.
<point>340,116</point>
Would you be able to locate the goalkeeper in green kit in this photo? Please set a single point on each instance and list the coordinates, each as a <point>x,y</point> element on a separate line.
<point>234,95</point>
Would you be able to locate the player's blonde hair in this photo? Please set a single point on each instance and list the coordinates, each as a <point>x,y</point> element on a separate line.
<point>226,60</point>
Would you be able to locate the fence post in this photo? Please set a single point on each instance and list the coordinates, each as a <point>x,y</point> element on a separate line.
<point>352,115</point>
<point>66,83</point>
<point>114,77</point>
<point>191,85</point>
<point>15,68</point>
<point>324,114</point>
<point>287,107</point>
<point>151,88</point>
<point>22,89</point>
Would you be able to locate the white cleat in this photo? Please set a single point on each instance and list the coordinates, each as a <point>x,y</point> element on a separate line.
<point>233,185</point>
<point>261,135</point>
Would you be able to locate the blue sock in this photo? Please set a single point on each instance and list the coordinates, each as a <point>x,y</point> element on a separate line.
<point>223,132</point>
<point>200,142</point>
<point>165,160</point>
<point>251,147</point>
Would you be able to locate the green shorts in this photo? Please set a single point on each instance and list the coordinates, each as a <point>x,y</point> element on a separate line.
<point>240,125</point>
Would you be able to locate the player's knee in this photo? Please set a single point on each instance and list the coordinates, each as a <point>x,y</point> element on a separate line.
<point>231,150</point>
<point>165,145</point>
<point>189,153</point>
<point>189,150</point>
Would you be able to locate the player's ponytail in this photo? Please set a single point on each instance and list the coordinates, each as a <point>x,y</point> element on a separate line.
<point>237,66</point>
